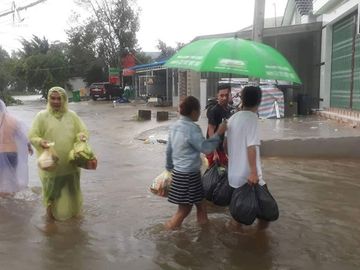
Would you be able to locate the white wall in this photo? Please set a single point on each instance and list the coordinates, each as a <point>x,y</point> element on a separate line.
<point>334,15</point>
<point>193,84</point>
<point>203,94</point>
<point>175,98</point>
<point>319,6</point>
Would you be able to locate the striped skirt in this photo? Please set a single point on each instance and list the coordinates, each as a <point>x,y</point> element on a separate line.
<point>186,188</point>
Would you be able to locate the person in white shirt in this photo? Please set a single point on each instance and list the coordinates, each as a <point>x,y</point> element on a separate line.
<point>243,144</point>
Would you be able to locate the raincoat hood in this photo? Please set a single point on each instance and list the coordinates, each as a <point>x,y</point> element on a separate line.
<point>64,102</point>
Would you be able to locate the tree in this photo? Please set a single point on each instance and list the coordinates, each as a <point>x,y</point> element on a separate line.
<point>34,46</point>
<point>167,51</point>
<point>115,24</point>
<point>82,54</point>
<point>142,58</point>
<point>42,65</point>
<point>5,76</point>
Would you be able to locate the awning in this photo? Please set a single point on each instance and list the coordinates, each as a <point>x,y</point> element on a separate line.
<point>128,72</point>
<point>151,66</point>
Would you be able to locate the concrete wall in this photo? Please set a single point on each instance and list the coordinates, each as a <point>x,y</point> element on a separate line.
<point>193,84</point>
<point>303,51</point>
<point>347,147</point>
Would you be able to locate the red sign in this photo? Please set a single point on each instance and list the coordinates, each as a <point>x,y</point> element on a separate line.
<point>114,79</point>
<point>128,61</point>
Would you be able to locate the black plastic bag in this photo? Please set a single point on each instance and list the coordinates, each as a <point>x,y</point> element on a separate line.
<point>268,208</point>
<point>223,191</point>
<point>210,180</point>
<point>244,205</point>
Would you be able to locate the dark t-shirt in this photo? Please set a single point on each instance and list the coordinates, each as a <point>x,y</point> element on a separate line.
<point>215,116</point>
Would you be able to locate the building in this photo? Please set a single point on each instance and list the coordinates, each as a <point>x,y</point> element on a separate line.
<point>340,50</point>
<point>320,38</point>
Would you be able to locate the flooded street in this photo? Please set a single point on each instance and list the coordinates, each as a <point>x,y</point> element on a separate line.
<point>122,222</point>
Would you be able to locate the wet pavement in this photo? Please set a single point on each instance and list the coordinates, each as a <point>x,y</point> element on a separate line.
<point>121,226</point>
<point>304,136</point>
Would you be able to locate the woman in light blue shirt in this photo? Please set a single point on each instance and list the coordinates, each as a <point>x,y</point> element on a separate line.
<point>185,144</point>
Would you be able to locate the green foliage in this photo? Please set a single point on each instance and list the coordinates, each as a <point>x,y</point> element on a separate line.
<point>95,72</point>
<point>34,46</point>
<point>5,76</point>
<point>167,51</point>
<point>142,58</point>
<point>7,98</point>
<point>92,47</point>
<point>81,50</point>
<point>42,65</point>
<point>114,25</point>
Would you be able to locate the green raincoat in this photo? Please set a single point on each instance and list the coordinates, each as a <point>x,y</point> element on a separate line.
<point>61,186</point>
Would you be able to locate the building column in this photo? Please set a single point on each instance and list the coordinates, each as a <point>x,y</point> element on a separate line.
<point>325,69</point>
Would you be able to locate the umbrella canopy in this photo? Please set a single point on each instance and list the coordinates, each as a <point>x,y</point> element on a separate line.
<point>234,55</point>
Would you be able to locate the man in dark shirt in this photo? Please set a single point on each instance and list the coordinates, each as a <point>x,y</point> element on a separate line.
<point>215,115</point>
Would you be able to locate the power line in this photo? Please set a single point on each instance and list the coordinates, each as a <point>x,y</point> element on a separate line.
<point>15,9</point>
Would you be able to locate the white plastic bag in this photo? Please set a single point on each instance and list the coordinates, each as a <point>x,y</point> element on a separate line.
<point>48,159</point>
<point>161,184</point>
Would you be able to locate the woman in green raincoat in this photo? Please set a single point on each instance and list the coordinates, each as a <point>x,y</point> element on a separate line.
<point>61,186</point>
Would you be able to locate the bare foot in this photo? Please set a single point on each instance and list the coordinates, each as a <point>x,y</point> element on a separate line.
<point>239,228</point>
<point>169,225</point>
<point>49,214</point>
<point>47,225</point>
<point>49,228</point>
<point>234,226</point>
<point>201,214</point>
<point>262,224</point>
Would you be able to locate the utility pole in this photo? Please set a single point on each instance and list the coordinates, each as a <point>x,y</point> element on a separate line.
<point>258,28</point>
<point>258,25</point>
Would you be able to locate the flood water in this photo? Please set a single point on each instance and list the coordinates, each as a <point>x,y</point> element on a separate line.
<point>122,222</point>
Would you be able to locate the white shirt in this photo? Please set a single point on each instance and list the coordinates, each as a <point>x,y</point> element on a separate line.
<point>242,132</point>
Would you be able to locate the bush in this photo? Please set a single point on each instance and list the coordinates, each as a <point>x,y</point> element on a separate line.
<point>5,96</point>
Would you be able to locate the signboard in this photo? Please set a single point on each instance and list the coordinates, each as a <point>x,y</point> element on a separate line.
<point>126,62</point>
<point>114,75</point>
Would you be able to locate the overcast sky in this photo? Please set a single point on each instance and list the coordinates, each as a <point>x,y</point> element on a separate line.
<point>169,20</point>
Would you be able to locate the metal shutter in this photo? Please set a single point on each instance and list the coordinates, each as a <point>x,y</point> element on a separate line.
<point>341,64</point>
<point>356,91</point>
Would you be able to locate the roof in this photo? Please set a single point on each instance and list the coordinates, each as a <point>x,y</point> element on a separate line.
<point>148,66</point>
<point>268,32</point>
<point>268,23</point>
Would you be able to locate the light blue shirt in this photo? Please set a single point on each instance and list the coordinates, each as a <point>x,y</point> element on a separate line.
<point>185,144</point>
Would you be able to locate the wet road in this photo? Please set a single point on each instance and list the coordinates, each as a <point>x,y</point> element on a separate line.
<point>121,227</point>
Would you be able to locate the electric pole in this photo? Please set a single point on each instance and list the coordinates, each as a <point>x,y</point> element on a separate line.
<point>258,25</point>
<point>258,28</point>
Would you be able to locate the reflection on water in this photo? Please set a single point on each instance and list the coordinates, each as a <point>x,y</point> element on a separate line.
<point>122,225</point>
<point>210,247</point>
<point>69,248</point>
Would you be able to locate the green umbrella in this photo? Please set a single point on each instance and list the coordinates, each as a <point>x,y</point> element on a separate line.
<point>234,55</point>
